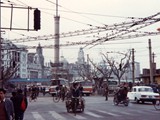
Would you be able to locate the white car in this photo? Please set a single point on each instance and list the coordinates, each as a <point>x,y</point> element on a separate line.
<point>143,94</point>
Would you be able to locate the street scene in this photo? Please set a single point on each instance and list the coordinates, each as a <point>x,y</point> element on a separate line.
<point>79,60</point>
<point>96,108</point>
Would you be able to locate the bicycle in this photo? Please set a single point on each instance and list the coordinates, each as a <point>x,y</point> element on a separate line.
<point>57,96</point>
<point>33,97</point>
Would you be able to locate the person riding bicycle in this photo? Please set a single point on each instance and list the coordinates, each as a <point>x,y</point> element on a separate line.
<point>33,93</point>
<point>63,90</point>
<point>75,92</point>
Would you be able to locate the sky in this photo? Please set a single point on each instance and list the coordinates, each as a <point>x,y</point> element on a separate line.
<point>82,15</point>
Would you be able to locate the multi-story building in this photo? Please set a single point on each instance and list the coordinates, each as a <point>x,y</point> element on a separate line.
<point>36,64</point>
<point>22,66</point>
<point>14,56</point>
<point>145,76</point>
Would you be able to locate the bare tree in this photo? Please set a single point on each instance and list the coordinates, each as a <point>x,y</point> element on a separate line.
<point>118,67</point>
<point>8,72</point>
<point>84,71</point>
<point>104,70</point>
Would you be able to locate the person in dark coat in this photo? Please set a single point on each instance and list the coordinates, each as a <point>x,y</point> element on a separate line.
<point>106,92</point>
<point>81,90</point>
<point>13,98</point>
<point>19,113</point>
<point>6,107</point>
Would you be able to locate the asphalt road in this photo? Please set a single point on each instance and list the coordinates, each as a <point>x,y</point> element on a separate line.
<point>96,109</point>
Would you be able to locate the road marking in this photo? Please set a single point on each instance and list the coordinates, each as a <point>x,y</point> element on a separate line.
<point>126,113</point>
<point>77,116</point>
<point>109,113</point>
<point>56,115</point>
<point>37,116</point>
<point>93,114</point>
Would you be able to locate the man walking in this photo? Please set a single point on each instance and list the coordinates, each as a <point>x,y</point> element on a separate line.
<point>19,113</point>
<point>6,107</point>
<point>106,92</point>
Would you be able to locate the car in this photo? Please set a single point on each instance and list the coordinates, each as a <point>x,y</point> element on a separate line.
<point>143,94</point>
<point>57,82</point>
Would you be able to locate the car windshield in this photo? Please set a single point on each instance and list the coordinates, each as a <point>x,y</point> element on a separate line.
<point>145,90</point>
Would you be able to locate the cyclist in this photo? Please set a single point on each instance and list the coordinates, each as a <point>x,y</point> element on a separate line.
<point>33,93</point>
<point>75,93</point>
<point>63,90</point>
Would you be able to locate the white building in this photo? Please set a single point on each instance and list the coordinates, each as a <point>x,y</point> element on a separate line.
<point>14,56</point>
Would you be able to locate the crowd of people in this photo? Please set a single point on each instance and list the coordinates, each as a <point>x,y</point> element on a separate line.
<point>10,108</point>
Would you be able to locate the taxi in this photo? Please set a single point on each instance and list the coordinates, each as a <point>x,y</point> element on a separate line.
<point>143,94</point>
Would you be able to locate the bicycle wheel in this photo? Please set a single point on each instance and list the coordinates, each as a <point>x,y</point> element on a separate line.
<point>157,105</point>
<point>56,98</point>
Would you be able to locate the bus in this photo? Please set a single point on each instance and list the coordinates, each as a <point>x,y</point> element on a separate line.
<point>87,86</point>
<point>57,82</point>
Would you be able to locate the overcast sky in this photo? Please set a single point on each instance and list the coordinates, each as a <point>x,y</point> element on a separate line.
<point>85,14</point>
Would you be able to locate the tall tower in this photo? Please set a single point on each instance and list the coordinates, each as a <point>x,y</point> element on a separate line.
<point>39,51</point>
<point>56,42</point>
<point>80,58</point>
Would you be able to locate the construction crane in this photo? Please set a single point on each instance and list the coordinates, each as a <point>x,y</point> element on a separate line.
<point>123,30</point>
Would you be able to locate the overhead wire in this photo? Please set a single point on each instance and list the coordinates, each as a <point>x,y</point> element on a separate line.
<point>114,16</point>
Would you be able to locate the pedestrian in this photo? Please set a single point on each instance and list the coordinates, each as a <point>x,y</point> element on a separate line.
<point>25,91</point>
<point>106,92</point>
<point>13,99</point>
<point>19,113</point>
<point>44,91</point>
<point>6,107</point>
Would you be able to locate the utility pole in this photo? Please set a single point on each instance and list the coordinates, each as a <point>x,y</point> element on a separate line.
<point>133,67</point>
<point>56,45</point>
<point>153,66</point>
<point>150,61</point>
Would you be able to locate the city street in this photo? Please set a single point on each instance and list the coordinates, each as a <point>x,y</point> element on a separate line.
<point>96,108</point>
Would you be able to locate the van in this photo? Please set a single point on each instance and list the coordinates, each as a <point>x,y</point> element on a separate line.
<point>112,85</point>
<point>57,82</point>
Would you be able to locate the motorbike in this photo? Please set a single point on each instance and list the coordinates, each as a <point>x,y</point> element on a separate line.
<point>118,100</point>
<point>75,104</point>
